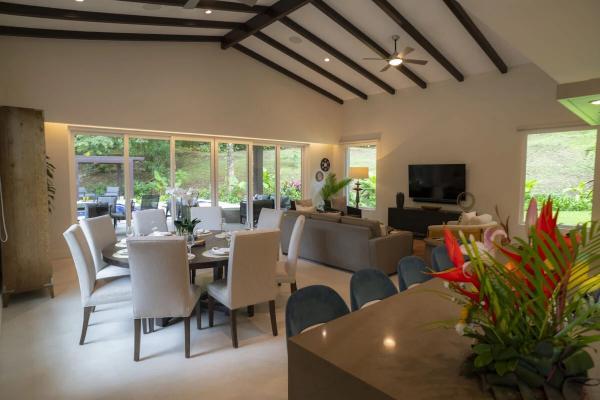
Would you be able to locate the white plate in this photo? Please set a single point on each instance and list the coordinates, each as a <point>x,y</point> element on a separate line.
<point>122,252</point>
<point>156,233</point>
<point>220,251</point>
<point>121,245</point>
<point>191,256</point>
<point>117,255</point>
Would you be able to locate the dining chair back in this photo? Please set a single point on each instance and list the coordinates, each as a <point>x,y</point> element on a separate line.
<point>150,201</point>
<point>440,260</point>
<point>210,217</point>
<point>99,233</point>
<point>147,221</point>
<point>251,269</point>
<point>160,282</point>
<point>412,271</point>
<point>310,306</point>
<point>269,219</point>
<point>286,271</point>
<point>368,286</point>
<point>84,262</point>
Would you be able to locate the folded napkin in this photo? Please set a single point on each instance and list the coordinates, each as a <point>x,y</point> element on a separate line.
<point>157,233</point>
<point>220,250</point>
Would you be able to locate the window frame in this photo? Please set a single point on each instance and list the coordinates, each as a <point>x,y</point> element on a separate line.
<point>349,191</point>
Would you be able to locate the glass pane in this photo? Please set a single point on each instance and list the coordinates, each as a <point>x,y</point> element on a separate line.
<point>574,154</point>
<point>290,175</point>
<point>100,176</point>
<point>150,159</point>
<point>232,181</point>
<point>193,165</point>
<point>364,156</point>
<point>264,176</point>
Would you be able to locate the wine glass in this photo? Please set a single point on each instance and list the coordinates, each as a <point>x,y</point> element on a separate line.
<point>129,231</point>
<point>223,222</point>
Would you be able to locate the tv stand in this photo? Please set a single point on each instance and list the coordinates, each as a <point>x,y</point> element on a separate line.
<point>417,220</point>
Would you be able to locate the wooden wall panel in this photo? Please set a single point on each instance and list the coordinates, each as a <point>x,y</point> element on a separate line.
<point>25,262</point>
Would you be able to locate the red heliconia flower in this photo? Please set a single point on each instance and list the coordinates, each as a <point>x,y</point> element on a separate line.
<point>456,274</point>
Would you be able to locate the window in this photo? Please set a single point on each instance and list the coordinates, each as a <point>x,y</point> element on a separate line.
<point>193,168</point>
<point>290,175</point>
<point>363,155</point>
<point>561,165</point>
<point>151,172</point>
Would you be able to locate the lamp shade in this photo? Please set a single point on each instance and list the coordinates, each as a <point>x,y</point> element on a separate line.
<point>359,172</point>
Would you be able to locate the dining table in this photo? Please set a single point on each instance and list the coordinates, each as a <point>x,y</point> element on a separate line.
<point>202,258</point>
<point>397,348</point>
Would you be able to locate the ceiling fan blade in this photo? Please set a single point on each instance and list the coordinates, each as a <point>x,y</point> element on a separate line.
<point>191,4</point>
<point>407,50</point>
<point>387,66</point>
<point>411,61</point>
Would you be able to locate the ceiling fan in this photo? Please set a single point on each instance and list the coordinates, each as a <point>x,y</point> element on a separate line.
<point>398,58</point>
<point>191,4</point>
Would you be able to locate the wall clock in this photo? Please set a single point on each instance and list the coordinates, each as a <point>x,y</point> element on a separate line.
<point>325,165</point>
<point>319,176</point>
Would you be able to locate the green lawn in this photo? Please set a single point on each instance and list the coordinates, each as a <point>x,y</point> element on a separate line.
<point>573,218</point>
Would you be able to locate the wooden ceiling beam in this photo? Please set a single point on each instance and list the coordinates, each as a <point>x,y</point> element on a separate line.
<point>23,10</point>
<point>466,21</point>
<point>307,63</point>
<point>286,72</point>
<point>86,35</point>
<point>214,5</point>
<point>260,21</point>
<point>414,33</point>
<point>336,54</point>
<point>366,40</point>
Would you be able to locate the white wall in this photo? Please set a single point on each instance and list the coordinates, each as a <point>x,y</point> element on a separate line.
<point>181,87</point>
<point>473,122</point>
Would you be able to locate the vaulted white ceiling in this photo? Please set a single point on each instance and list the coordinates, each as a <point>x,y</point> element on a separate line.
<point>432,18</point>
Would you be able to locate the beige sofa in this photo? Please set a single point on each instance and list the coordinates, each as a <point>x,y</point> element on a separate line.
<point>475,226</point>
<point>347,242</point>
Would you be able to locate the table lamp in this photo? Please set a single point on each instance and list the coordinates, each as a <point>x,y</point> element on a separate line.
<point>358,173</point>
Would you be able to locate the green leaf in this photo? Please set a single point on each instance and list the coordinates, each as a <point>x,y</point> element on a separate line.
<point>578,363</point>
<point>483,359</point>
<point>544,349</point>
<point>482,348</point>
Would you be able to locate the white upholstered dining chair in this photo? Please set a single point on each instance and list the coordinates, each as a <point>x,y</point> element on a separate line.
<point>250,276</point>
<point>160,284</point>
<point>147,221</point>
<point>99,232</point>
<point>269,219</point>
<point>93,292</point>
<point>210,217</point>
<point>286,269</point>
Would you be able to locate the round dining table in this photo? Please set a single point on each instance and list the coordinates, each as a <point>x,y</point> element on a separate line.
<point>200,261</point>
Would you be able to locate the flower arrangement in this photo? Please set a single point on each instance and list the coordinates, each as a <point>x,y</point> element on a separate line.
<point>529,306</point>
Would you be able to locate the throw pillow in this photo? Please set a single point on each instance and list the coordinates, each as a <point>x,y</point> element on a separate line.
<point>481,219</point>
<point>465,218</point>
<point>306,209</point>
<point>373,225</point>
<point>328,216</point>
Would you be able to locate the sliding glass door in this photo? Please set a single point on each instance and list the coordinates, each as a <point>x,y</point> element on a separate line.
<point>290,175</point>
<point>99,174</point>
<point>193,167</point>
<point>150,160</point>
<point>232,182</point>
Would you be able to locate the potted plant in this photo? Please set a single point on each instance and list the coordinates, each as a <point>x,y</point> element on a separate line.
<point>531,308</point>
<point>331,187</point>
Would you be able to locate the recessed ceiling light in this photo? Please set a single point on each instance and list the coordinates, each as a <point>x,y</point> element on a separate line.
<point>326,59</point>
<point>295,39</point>
<point>79,1</point>
<point>207,11</point>
<point>595,102</point>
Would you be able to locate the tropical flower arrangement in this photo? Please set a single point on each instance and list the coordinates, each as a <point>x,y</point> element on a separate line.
<point>530,306</point>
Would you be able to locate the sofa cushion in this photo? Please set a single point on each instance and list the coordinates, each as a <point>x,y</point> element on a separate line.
<point>304,203</point>
<point>482,219</point>
<point>465,218</point>
<point>373,225</point>
<point>306,209</point>
<point>327,216</point>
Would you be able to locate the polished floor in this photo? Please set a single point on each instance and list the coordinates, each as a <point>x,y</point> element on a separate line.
<point>40,357</point>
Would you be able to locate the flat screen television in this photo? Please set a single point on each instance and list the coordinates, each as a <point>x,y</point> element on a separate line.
<point>436,183</point>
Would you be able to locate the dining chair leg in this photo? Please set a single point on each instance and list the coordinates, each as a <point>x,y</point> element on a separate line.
<point>250,310</point>
<point>193,276</point>
<point>186,328</point>
<point>232,319</point>
<point>199,314</point>
<point>137,337</point>
<point>293,287</point>
<point>273,317</point>
<point>93,308</point>
<point>145,326</point>
<point>150,325</point>
<point>86,319</point>
<point>211,311</point>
